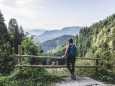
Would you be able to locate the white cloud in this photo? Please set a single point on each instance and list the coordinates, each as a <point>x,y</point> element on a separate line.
<point>47,14</point>
<point>32,14</point>
<point>43,7</point>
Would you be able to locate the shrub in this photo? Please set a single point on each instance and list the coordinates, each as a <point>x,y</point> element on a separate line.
<point>7,61</point>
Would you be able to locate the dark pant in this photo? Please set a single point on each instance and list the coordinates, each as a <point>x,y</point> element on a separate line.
<point>71,64</point>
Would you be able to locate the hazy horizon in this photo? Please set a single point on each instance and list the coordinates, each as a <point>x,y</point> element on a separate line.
<point>56,14</point>
<point>51,29</point>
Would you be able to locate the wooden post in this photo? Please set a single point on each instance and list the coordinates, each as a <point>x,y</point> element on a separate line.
<point>97,63</point>
<point>19,53</point>
<point>113,62</point>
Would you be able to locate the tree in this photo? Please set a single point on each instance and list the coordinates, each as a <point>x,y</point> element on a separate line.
<point>1,17</point>
<point>31,48</point>
<point>21,33</point>
<point>95,41</point>
<point>3,30</point>
<point>7,61</point>
<point>113,44</point>
<point>16,33</point>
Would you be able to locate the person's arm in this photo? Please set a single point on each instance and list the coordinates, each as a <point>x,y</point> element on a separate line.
<point>66,51</point>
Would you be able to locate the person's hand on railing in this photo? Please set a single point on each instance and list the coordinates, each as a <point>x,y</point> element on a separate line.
<point>63,56</point>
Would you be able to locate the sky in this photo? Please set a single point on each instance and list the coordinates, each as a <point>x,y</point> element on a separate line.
<point>56,14</point>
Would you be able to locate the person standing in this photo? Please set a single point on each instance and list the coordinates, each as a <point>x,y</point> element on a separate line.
<point>71,53</point>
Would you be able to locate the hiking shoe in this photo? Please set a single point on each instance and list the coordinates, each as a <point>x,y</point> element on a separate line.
<point>73,77</point>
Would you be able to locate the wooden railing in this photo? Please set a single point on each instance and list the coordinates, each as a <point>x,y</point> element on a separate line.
<point>20,63</point>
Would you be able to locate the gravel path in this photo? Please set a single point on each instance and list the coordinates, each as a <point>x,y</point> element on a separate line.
<point>81,81</point>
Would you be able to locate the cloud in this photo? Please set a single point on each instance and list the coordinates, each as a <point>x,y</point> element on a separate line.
<point>9,3</point>
<point>16,3</point>
<point>28,13</point>
<point>54,14</point>
<point>43,7</point>
<point>22,10</point>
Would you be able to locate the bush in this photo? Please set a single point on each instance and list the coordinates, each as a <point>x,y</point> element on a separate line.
<point>104,76</point>
<point>7,62</point>
<point>31,48</point>
<point>29,77</point>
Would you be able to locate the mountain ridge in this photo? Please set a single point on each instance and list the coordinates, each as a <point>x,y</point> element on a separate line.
<point>48,35</point>
<point>52,44</point>
<point>99,37</point>
<point>36,31</point>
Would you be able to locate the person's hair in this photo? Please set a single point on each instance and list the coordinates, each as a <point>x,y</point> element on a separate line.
<point>71,41</point>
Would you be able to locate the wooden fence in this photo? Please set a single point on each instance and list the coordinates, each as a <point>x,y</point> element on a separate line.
<point>20,63</point>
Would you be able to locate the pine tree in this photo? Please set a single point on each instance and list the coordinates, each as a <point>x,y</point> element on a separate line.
<point>21,32</point>
<point>3,30</point>
<point>6,58</point>
<point>113,44</point>
<point>15,34</point>
<point>1,17</point>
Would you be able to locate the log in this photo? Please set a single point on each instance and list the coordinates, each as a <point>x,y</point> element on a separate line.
<point>57,66</point>
<point>56,57</point>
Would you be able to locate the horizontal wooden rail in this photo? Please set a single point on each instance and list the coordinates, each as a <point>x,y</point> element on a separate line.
<point>82,58</point>
<point>57,66</point>
<point>20,59</point>
<point>56,57</point>
<point>33,56</point>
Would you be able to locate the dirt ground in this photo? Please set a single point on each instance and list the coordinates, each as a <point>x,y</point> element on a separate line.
<point>81,81</point>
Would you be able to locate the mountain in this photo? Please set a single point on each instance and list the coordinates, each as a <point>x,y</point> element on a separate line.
<point>48,35</point>
<point>98,40</point>
<point>52,44</point>
<point>36,31</point>
<point>58,51</point>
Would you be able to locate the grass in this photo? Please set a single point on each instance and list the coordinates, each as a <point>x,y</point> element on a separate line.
<point>46,77</point>
<point>29,77</point>
<point>104,76</point>
<point>78,71</point>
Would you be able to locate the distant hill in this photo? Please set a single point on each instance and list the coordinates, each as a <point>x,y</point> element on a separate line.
<point>58,51</point>
<point>48,35</point>
<point>36,32</point>
<point>52,44</point>
<point>98,39</point>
